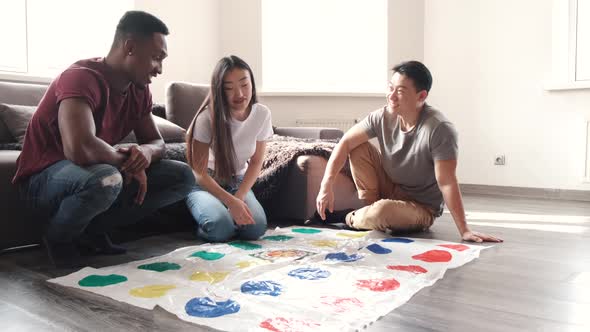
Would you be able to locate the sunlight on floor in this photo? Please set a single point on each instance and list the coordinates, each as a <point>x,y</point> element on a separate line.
<point>539,222</point>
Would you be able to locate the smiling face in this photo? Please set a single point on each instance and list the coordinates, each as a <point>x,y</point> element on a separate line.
<point>237,87</point>
<point>144,58</point>
<point>402,96</point>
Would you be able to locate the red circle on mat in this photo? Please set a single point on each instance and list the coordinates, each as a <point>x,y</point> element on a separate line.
<point>279,324</point>
<point>408,268</point>
<point>341,304</point>
<point>378,285</point>
<point>458,247</point>
<point>434,256</point>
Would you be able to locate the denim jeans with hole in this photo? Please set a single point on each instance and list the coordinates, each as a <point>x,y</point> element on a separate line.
<point>94,199</point>
<point>215,223</point>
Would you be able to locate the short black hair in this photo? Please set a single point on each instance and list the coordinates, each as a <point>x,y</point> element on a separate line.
<point>138,23</point>
<point>418,72</point>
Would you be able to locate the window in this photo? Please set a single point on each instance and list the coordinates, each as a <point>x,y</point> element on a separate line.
<point>570,45</point>
<point>324,46</point>
<point>47,36</point>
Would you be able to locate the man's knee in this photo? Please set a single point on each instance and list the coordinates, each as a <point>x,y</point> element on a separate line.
<point>175,174</point>
<point>361,152</point>
<point>103,184</point>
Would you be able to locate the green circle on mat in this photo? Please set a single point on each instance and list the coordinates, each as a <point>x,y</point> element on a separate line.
<point>95,280</point>
<point>208,256</point>
<point>278,238</point>
<point>245,245</point>
<point>306,230</point>
<point>159,266</point>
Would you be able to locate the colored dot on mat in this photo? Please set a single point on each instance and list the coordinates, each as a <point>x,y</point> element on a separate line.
<point>341,304</point>
<point>245,264</point>
<point>278,238</point>
<point>343,257</point>
<point>95,280</point>
<point>280,324</point>
<point>266,287</point>
<point>352,235</point>
<point>324,243</point>
<point>434,256</point>
<point>206,308</point>
<point>159,266</point>
<point>458,247</point>
<point>210,277</point>
<point>152,291</point>
<point>306,230</point>
<point>208,256</point>
<point>398,240</point>
<point>309,273</point>
<point>416,269</point>
<point>245,245</point>
<point>378,285</point>
<point>377,249</point>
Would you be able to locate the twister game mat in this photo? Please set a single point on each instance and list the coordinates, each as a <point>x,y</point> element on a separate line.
<point>292,279</point>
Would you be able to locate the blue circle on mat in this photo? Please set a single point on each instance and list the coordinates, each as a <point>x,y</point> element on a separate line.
<point>309,273</point>
<point>398,240</point>
<point>265,287</point>
<point>343,257</point>
<point>207,308</point>
<point>377,249</point>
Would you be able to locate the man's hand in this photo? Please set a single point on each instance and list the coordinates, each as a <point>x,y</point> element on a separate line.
<point>325,200</point>
<point>139,159</point>
<point>479,237</point>
<point>240,212</point>
<point>141,179</point>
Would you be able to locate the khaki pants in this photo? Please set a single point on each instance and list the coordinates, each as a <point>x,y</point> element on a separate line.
<point>387,206</point>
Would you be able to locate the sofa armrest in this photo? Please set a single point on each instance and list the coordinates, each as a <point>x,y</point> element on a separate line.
<point>310,132</point>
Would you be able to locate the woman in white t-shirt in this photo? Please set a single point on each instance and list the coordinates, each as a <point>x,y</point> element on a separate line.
<point>225,148</point>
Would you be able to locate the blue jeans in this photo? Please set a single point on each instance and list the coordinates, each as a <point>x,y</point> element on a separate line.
<point>94,200</point>
<point>215,223</point>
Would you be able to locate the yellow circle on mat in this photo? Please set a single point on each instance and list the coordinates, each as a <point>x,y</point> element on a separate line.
<point>352,235</point>
<point>151,291</point>
<point>245,264</point>
<point>210,277</point>
<point>325,243</point>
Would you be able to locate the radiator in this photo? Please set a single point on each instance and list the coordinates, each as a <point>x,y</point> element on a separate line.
<point>343,124</point>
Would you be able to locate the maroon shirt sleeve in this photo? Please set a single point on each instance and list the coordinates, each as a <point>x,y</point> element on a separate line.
<point>80,83</point>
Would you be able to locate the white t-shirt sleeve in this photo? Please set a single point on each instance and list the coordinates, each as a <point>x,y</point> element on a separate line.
<point>202,130</point>
<point>266,127</point>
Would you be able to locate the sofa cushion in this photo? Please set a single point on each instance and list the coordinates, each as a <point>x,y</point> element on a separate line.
<point>171,133</point>
<point>5,135</point>
<point>16,118</point>
<point>183,100</point>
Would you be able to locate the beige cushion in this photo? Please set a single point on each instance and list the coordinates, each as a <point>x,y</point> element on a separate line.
<point>16,119</point>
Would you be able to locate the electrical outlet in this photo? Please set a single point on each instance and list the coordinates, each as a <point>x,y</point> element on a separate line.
<point>500,160</point>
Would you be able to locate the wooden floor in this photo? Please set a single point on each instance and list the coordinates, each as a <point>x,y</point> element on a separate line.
<point>537,280</point>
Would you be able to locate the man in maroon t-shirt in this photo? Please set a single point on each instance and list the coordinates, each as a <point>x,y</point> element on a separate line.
<point>69,169</point>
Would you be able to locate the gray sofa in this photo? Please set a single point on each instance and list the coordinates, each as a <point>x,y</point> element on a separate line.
<point>295,201</point>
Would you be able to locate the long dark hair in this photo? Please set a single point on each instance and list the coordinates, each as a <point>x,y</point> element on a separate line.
<point>222,143</point>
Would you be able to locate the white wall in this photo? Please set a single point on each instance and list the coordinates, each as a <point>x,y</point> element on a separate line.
<point>490,61</point>
<point>240,32</point>
<point>194,43</point>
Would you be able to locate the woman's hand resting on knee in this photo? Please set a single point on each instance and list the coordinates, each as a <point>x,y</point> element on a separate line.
<point>240,212</point>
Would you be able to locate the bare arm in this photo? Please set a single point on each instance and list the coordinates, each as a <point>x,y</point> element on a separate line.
<point>254,167</point>
<point>353,138</point>
<point>149,138</point>
<point>78,136</point>
<point>445,171</point>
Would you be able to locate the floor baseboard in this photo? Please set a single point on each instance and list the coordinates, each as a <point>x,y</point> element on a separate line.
<point>538,193</point>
